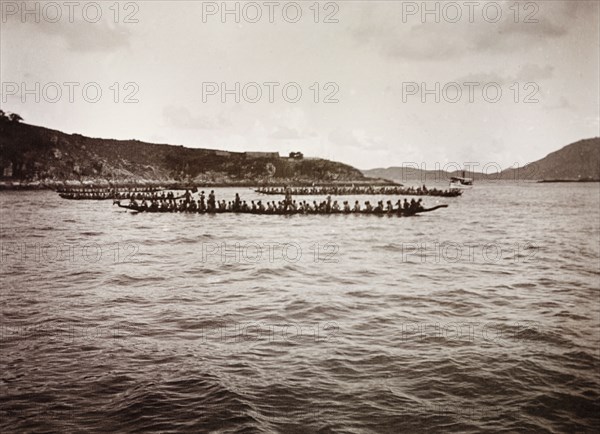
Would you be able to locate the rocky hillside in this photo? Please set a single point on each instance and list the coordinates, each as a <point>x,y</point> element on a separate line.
<point>34,155</point>
<point>575,162</point>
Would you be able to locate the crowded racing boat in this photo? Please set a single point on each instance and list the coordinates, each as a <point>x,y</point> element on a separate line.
<point>107,194</point>
<point>361,190</point>
<point>288,206</point>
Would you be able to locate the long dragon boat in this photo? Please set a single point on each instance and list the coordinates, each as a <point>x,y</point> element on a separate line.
<point>360,191</point>
<point>377,212</point>
<point>116,196</point>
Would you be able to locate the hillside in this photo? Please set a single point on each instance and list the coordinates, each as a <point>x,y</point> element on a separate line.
<point>33,155</point>
<point>577,161</point>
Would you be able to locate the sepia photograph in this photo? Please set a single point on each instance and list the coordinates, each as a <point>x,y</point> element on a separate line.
<point>311,216</point>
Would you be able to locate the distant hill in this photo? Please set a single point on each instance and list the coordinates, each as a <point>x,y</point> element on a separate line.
<point>403,174</point>
<point>575,162</point>
<point>35,155</point>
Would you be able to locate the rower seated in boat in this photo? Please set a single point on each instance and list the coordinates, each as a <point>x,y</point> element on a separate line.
<point>413,205</point>
<point>389,207</point>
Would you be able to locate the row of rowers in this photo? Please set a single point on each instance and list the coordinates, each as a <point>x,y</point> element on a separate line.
<point>237,205</point>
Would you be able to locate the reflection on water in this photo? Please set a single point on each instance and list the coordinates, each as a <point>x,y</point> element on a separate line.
<point>481,316</point>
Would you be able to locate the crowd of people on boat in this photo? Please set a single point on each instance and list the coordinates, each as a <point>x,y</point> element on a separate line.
<point>91,189</point>
<point>154,194</point>
<point>209,204</point>
<point>141,194</point>
<point>362,190</point>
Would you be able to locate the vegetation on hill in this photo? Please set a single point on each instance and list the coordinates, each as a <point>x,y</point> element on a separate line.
<point>32,154</point>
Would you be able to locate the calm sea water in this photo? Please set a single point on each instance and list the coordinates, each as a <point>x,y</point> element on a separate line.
<point>480,317</point>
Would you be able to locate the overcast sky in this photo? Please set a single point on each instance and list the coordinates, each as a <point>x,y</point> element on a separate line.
<point>367,57</point>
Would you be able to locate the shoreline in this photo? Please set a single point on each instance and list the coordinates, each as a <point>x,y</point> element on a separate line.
<point>551,181</point>
<point>179,185</point>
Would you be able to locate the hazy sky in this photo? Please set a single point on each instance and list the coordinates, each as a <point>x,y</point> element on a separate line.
<point>366,60</point>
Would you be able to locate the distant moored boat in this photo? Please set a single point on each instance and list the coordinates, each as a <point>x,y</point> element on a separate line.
<point>461,181</point>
